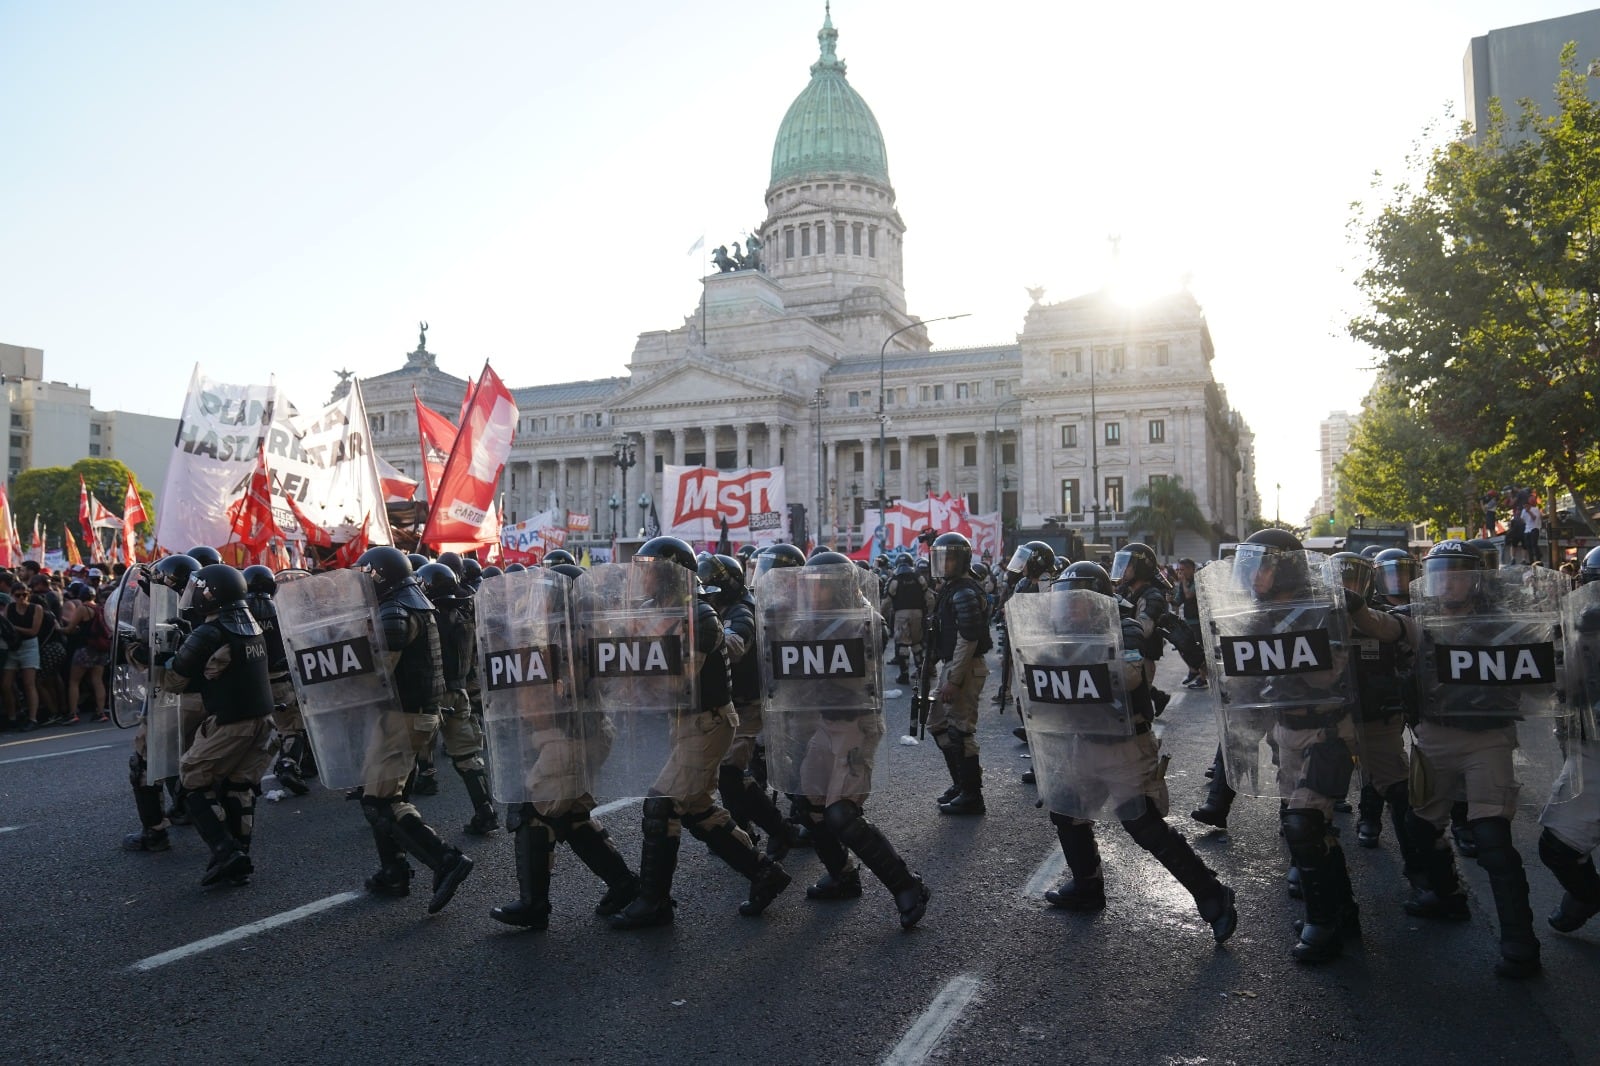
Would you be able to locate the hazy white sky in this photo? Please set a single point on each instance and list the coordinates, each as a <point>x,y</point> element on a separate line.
<point>289,187</point>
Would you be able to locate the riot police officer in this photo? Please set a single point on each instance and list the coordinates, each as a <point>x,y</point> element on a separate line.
<point>1089,765</point>
<point>906,602</point>
<point>681,795</point>
<point>461,725</point>
<point>961,640</point>
<point>225,658</point>
<point>293,743</point>
<point>1572,828</point>
<point>1138,579</point>
<point>411,634</point>
<point>722,577</point>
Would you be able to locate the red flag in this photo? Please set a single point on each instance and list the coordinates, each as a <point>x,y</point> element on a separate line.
<point>316,536</point>
<point>132,515</point>
<point>36,545</point>
<point>396,486</point>
<point>352,549</point>
<point>74,558</point>
<point>84,521</point>
<point>438,439</point>
<point>460,514</point>
<point>250,516</point>
<point>466,403</point>
<point>10,549</point>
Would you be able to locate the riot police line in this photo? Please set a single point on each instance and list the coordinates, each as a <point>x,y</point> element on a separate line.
<point>659,677</point>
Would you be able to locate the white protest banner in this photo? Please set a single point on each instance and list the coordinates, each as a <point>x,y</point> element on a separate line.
<point>323,460</point>
<point>696,500</point>
<point>214,453</point>
<point>942,514</point>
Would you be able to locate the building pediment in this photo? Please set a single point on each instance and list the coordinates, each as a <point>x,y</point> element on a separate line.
<point>697,381</point>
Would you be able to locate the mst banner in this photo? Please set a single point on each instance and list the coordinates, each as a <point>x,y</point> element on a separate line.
<point>697,499</point>
<point>942,514</point>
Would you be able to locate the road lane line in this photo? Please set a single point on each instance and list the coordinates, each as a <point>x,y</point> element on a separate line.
<point>1049,872</point>
<point>9,828</point>
<point>929,1028</point>
<point>615,805</point>
<point>53,754</point>
<point>243,931</point>
<point>55,736</point>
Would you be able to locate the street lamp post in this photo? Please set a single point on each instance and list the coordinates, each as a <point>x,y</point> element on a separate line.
<point>622,455</point>
<point>644,505</point>
<point>613,503</point>
<point>883,418</point>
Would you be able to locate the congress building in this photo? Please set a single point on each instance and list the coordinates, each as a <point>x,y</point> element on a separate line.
<point>780,366</point>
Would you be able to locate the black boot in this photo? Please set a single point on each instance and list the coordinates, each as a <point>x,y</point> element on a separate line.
<point>1213,899</point>
<point>1575,871</point>
<point>843,879</point>
<point>728,843</point>
<point>1219,797</point>
<point>1398,797</point>
<point>424,778</point>
<point>1086,891</point>
<point>1519,948</point>
<point>450,867</point>
<point>485,819</point>
<point>658,860</point>
<point>911,896</point>
<point>238,800</point>
<point>762,811</point>
<point>228,861</point>
<point>1307,835</point>
<point>153,820</point>
<point>393,877</point>
<point>534,845</point>
<point>1369,824</point>
<point>287,768</point>
<point>730,789</point>
<point>1438,893</point>
<point>592,845</point>
<point>1349,910</point>
<point>970,799</point>
<point>952,762</point>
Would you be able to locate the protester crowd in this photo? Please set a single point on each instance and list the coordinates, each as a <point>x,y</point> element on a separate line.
<point>56,644</point>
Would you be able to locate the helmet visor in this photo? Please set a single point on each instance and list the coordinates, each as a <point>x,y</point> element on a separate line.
<point>1121,563</point>
<point>1357,576</point>
<point>942,556</point>
<point>1393,577</point>
<point>1253,566</point>
<point>1451,578</point>
<point>1020,559</point>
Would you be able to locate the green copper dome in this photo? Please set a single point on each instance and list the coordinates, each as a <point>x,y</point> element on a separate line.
<point>829,129</point>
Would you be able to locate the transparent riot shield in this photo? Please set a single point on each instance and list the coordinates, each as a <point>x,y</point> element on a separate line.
<point>340,668</point>
<point>1067,659</point>
<point>822,681</point>
<point>1575,735</point>
<point>130,628</point>
<point>1280,654</point>
<point>164,721</point>
<point>1489,643</point>
<point>534,728</point>
<point>637,650</point>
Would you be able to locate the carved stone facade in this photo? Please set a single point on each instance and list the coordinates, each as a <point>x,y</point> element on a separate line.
<point>781,367</point>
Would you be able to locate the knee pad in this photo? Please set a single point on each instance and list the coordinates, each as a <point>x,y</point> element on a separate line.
<point>1398,795</point>
<point>466,764</point>
<point>519,815</point>
<point>136,769</point>
<point>1422,833</point>
<point>1066,821</point>
<point>1149,830</point>
<point>730,780</point>
<point>949,739</point>
<point>378,812</point>
<point>658,814</point>
<point>1557,855</point>
<point>1496,852</point>
<point>1304,828</point>
<point>840,816</point>
<point>802,809</point>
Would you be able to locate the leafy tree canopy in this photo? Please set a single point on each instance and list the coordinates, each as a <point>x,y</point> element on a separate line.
<point>51,492</point>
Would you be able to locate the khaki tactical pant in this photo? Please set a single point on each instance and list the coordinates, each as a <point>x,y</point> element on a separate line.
<point>699,741</point>
<point>1445,760</point>
<point>239,751</point>
<point>957,721</point>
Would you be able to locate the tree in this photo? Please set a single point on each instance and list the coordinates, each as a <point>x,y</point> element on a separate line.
<point>1399,467</point>
<point>51,492</point>
<point>1162,509</point>
<point>1484,291</point>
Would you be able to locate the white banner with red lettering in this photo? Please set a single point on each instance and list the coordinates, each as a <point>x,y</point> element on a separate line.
<point>942,514</point>
<point>528,540</point>
<point>695,500</point>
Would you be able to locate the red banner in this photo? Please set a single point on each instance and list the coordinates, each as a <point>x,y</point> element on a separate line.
<point>84,521</point>
<point>577,523</point>
<point>132,515</point>
<point>352,549</point>
<point>438,439</point>
<point>461,515</point>
<point>250,517</point>
<point>316,536</point>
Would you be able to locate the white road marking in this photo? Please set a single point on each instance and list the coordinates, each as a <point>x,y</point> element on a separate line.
<point>54,754</point>
<point>1049,872</point>
<point>243,931</point>
<point>930,1027</point>
<point>55,736</point>
<point>615,805</point>
<point>9,828</point>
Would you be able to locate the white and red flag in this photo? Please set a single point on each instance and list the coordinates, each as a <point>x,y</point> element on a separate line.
<point>461,514</point>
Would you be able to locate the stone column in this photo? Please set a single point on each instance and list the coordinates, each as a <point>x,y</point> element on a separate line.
<point>774,443</point>
<point>741,445</point>
<point>905,466</point>
<point>588,491</point>
<point>987,484</point>
<point>710,434</point>
<point>677,445</point>
<point>944,482</point>
<point>646,469</point>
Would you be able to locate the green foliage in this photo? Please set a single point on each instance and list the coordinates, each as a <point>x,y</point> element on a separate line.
<point>1164,508</point>
<point>52,493</point>
<point>1484,293</point>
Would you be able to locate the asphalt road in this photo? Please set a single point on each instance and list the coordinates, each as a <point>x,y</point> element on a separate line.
<point>105,956</point>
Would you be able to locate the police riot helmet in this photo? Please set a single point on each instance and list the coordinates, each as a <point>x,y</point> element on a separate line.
<point>1447,571</point>
<point>439,582</point>
<point>388,566</point>
<point>211,589</point>
<point>515,568</point>
<point>557,556</point>
<point>1370,552</point>
<point>1487,550</point>
<point>471,571</point>
<point>950,552</point>
<point>1355,571</point>
<point>980,570</point>
<point>745,552</point>
<point>568,570</point>
<point>1086,575</point>
<point>778,555</point>
<point>722,578</point>
<point>417,560</point>
<point>174,571</point>
<point>1274,553</point>
<point>452,560</point>
<point>260,581</point>
<point>1393,571</point>
<point>668,549</point>
<point>828,558</point>
<point>204,554</point>
<point>490,571</point>
<point>820,548</point>
<point>1032,559</point>
<point>1137,562</point>
<point>1590,570</point>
